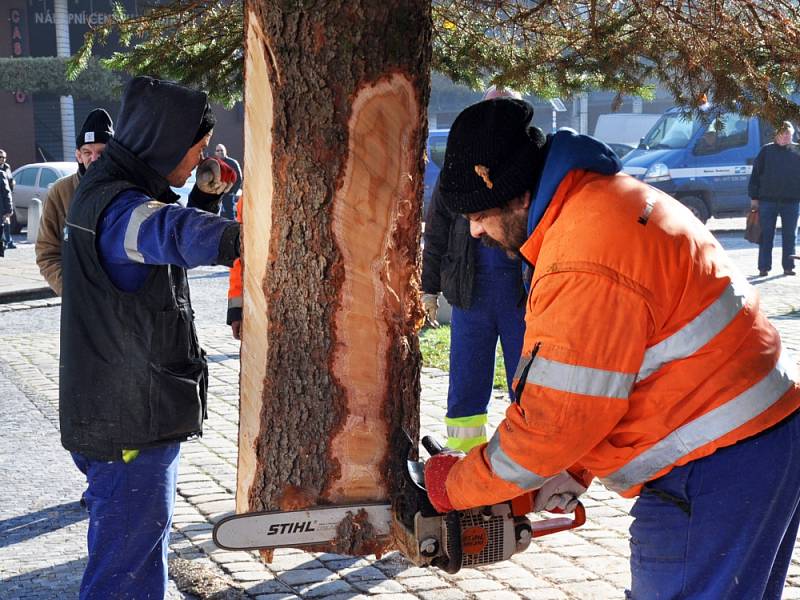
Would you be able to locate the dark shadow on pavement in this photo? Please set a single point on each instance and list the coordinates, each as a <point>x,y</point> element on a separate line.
<point>31,525</point>
<point>59,581</point>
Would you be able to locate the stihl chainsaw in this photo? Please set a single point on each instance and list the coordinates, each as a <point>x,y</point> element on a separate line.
<point>467,538</point>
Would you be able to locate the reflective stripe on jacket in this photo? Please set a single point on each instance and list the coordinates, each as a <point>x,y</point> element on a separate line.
<point>644,348</point>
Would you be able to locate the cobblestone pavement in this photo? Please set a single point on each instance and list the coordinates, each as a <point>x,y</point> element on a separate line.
<point>42,528</point>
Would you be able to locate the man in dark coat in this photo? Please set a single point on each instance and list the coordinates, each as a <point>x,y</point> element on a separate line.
<point>774,190</point>
<point>133,377</point>
<point>229,198</point>
<point>6,203</point>
<point>484,287</point>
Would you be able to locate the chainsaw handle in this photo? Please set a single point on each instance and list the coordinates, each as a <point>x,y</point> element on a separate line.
<point>556,524</point>
<point>431,445</point>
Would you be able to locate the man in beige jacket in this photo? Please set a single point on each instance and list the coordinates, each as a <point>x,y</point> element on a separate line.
<point>91,141</point>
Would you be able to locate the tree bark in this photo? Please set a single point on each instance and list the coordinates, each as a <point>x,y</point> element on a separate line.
<point>336,96</point>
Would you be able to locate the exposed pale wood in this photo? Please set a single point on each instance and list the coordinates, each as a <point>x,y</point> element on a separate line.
<point>335,127</point>
<point>258,185</point>
<point>377,279</point>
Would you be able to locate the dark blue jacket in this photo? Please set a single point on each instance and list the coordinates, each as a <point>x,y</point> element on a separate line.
<point>776,174</point>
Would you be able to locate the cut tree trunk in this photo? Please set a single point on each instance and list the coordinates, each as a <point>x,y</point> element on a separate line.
<point>335,124</point>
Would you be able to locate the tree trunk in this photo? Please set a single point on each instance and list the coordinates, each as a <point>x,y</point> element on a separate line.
<point>335,124</point>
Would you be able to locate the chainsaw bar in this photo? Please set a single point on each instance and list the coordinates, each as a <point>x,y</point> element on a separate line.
<point>279,529</point>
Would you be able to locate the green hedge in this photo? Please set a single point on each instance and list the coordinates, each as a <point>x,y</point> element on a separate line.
<point>47,75</point>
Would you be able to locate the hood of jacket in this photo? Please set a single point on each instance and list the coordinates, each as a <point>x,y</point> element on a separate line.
<point>567,151</point>
<point>158,120</point>
<point>117,163</point>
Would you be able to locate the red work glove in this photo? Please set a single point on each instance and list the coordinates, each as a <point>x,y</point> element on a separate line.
<point>436,470</point>
<point>214,176</point>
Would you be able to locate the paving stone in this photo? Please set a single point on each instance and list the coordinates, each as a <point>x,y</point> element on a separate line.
<point>302,576</point>
<point>376,586</point>
<point>324,589</point>
<point>496,595</point>
<point>479,585</point>
<point>445,594</point>
<point>424,583</point>
<point>590,590</point>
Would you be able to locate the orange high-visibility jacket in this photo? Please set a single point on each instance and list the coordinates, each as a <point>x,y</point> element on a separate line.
<point>235,278</point>
<point>644,348</point>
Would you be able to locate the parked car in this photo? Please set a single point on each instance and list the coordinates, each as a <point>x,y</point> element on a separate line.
<point>32,181</point>
<point>704,163</point>
<point>437,142</point>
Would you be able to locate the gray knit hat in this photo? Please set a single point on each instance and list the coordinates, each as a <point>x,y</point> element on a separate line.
<point>492,156</point>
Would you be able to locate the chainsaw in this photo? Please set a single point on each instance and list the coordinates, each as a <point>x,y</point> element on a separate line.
<point>465,538</point>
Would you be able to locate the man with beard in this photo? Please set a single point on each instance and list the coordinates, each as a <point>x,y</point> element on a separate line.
<point>647,363</point>
<point>91,141</point>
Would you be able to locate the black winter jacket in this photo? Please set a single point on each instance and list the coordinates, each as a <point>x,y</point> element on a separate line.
<point>776,173</point>
<point>6,203</point>
<point>448,259</point>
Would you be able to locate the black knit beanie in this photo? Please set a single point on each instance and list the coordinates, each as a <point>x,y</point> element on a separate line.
<point>492,156</point>
<point>207,123</point>
<point>97,129</point>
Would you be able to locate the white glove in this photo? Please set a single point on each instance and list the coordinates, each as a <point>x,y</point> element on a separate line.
<point>430,302</point>
<point>214,176</point>
<point>559,493</point>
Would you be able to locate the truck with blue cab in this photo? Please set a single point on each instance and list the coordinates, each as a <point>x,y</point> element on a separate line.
<point>703,162</point>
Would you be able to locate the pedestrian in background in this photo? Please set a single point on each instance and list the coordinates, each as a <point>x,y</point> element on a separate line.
<point>483,284</point>
<point>6,205</point>
<point>5,217</point>
<point>132,375</point>
<point>229,199</point>
<point>647,362</point>
<point>774,190</point>
<point>97,129</point>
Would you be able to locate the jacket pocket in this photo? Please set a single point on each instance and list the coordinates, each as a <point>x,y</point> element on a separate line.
<point>174,339</point>
<point>178,394</point>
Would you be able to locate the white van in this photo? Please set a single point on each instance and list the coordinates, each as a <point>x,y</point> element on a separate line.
<point>623,131</point>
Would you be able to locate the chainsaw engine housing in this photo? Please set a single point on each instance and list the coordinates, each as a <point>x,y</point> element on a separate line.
<point>470,538</point>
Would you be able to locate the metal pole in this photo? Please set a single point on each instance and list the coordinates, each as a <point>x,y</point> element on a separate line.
<point>61,16</point>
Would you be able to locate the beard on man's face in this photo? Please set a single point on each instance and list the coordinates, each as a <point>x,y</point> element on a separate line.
<point>514,229</point>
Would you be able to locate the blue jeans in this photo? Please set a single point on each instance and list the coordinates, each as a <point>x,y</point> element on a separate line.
<point>768,212</point>
<point>495,312</point>
<point>723,526</point>
<point>130,514</point>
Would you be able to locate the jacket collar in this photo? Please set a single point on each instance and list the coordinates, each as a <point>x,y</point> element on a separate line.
<point>566,152</point>
<point>530,249</point>
<point>139,173</point>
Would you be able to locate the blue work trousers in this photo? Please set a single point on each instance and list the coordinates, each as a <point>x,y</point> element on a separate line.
<point>723,526</point>
<point>768,212</point>
<point>130,513</point>
<point>496,311</point>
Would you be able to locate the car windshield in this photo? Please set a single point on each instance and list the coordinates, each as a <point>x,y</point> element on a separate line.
<point>673,130</point>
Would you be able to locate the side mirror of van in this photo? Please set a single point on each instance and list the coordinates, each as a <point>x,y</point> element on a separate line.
<point>642,145</point>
